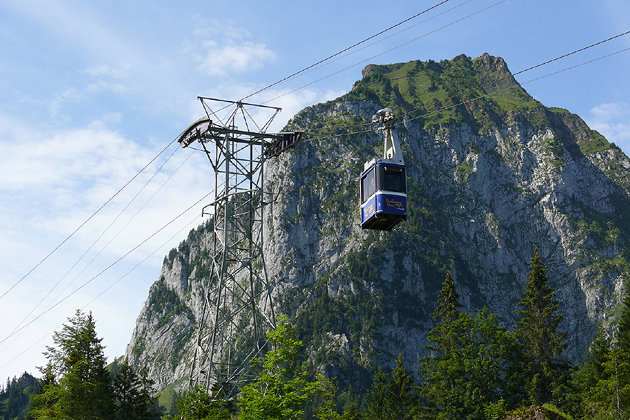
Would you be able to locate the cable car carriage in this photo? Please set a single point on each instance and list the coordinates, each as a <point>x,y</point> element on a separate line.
<point>383,182</point>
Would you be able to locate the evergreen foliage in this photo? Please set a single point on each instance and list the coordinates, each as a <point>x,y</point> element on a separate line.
<point>468,360</point>
<point>14,398</point>
<point>132,394</point>
<point>393,397</point>
<point>200,405</point>
<point>540,371</point>
<point>472,371</point>
<point>77,385</point>
<point>76,382</point>
<point>602,384</point>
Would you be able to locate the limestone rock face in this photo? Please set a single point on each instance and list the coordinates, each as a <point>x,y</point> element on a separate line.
<point>492,173</point>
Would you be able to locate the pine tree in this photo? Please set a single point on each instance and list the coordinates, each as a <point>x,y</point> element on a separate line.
<point>392,397</point>
<point>609,396</point>
<point>467,361</point>
<point>352,412</point>
<point>542,368</point>
<point>447,309</point>
<point>441,370</point>
<point>198,404</point>
<point>76,383</point>
<point>585,380</point>
<point>377,407</point>
<point>623,325</point>
<point>403,398</point>
<point>132,394</point>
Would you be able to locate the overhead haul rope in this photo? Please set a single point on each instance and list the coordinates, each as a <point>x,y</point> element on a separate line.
<point>382,39</point>
<point>435,111</point>
<point>104,291</point>
<point>490,83</point>
<point>107,268</point>
<point>87,220</point>
<point>336,54</point>
<point>388,51</point>
<point>103,233</point>
<point>248,96</point>
<point>344,50</point>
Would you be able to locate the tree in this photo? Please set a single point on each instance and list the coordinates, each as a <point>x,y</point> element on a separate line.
<point>606,374</point>
<point>541,371</point>
<point>198,404</point>
<point>393,397</point>
<point>132,394</point>
<point>447,305</point>
<point>467,360</point>
<point>281,389</point>
<point>352,412</point>
<point>14,399</point>
<point>76,383</point>
<point>585,380</point>
<point>437,371</point>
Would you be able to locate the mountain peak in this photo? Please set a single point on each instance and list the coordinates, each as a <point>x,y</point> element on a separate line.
<point>491,174</point>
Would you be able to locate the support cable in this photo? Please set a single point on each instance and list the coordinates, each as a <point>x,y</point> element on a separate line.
<point>107,289</point>
<point>344,50</point>
<point>87,220</point>
<point>107,268</point>
<point>511,75</point>
<point>387,51</point>
<point>103,233</point>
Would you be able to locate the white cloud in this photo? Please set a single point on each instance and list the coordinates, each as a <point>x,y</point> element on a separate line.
<point>71,95</point>
<point>612,120</point>
<point>219,60</point>
<point>50,184</point>
<point>290,101</point>
<point>222,49</point>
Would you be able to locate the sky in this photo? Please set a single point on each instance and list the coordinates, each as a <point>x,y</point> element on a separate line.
<point>92,92</point>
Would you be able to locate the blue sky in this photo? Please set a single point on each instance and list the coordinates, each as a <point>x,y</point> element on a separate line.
<point>90,92</point>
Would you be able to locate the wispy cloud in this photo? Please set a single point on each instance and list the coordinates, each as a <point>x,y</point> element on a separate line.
<point>218,60</point>
<point>222,49</point>
<point>51,183</point>
<point>613,121</point>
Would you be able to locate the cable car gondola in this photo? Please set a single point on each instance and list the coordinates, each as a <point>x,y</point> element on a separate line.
<point>383,183</point>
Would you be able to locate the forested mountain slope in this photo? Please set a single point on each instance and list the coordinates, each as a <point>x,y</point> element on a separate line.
<point>492,173</point>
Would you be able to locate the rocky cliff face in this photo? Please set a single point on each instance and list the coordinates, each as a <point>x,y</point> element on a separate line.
<point>492,173</point>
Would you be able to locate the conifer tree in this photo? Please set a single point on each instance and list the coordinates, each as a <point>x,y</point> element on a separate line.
<point>609,397</point>
<point>198,404</point>
<point>586,379</point>
<point>623,325</point>
<point>440,369</point>
<point>352,412</point>
<point>132,394</point>
<point>392,397</point>
<point>541,369</point>
<point>467,361</point>
<point>377,397</point>
<point>76,383</point>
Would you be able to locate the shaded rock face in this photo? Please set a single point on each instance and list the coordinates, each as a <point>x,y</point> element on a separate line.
<point>492,174</point>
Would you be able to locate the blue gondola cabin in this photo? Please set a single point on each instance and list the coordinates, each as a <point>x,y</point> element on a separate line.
<point>383,195</point>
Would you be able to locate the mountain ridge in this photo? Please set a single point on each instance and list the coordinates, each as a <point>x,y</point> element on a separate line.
<point>492,173</point>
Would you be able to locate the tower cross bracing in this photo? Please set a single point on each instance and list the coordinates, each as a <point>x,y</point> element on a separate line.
<point>238,309</point>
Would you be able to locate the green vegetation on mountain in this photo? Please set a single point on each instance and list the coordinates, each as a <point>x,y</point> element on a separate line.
<point>491,173</point>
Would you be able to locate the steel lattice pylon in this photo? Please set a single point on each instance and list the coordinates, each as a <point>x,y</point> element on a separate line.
<point>237,309</point>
